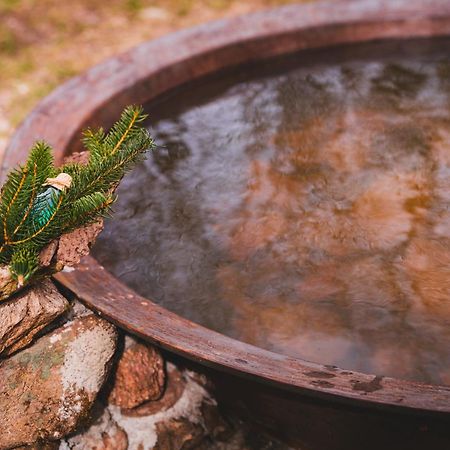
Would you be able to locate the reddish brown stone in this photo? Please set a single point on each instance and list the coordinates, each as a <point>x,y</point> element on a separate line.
<point>8,285</point>
<point>118,441</point>
<point>73,246</point>
<point>47,253</point>
<point>174,390</point>
<point>77,158</point>
<point>40,446</point>
<point>139,377</point>
<point>27,314</point>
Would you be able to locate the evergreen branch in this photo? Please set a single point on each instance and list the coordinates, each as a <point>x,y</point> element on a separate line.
<point>88,208</point>
<point>123,129</point>
<point>109,176</point>
<point>40,202</point>
<point>10,204</point>
<point>18,195</point>
<point>24,264</point>
<point>5,254</point>
<point>30,203</point>
<point>130,126</point>
<point>43,227</point>
<point>41,155</point>
<point>94,142</point>
<point>75,170</point>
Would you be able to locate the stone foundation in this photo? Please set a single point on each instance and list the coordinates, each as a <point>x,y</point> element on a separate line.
<point>71,380</point>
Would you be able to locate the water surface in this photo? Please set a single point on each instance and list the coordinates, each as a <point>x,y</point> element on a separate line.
<point>303,206</point>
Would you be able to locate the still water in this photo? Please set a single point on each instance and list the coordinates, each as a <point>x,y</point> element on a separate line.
<point>303,206</point>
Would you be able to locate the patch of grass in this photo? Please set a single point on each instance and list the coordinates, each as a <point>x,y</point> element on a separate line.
<point>54,40</point>
<point>9,5</point>
<point>133,6</point>
<point>24,66</point>
<point>64,72</point>
<point>9,44</point>
<point>219,5</point>
<point>183,7</point>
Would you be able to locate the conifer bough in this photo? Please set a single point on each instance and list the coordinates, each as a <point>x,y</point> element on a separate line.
<point>41,202</point>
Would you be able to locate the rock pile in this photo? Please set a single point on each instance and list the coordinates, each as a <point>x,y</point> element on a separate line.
<point>71,380</point>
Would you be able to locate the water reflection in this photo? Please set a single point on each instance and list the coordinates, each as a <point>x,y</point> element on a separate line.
<point>304,211</point>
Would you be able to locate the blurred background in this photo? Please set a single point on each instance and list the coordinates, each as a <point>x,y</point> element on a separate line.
<point>45,42</point>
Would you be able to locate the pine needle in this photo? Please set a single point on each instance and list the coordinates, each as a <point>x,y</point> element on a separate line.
<point>32,215</point>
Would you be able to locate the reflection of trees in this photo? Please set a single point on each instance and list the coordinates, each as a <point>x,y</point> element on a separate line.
<point>171,146</point>
<point>319,246</point>
<point>396,86</point>
<point>307,213</point>
<point>443,73</point>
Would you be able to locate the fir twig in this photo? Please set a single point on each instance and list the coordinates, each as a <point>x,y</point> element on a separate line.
<point>34,212</point>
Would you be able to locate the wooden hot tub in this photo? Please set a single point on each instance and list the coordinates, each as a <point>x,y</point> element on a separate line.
<point>308,405</point>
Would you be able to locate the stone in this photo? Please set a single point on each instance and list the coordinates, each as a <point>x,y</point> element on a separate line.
<point>139,376</point>
<point>40,446</point>
<point>48,389</point>
<point>24,316</point>
<point>218,428</point>
<point>77,309</point>
<point>179,434</point>
<point>47,253</point>
<point>77,158</point>
<point>201,379</point>
<point>175,387</point>
<point>103,434</point>
<point>73,246</point>
<point>158,427</point>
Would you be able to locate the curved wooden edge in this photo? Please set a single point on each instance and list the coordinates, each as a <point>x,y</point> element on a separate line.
<point>101,291</point>
<point>153,68</point>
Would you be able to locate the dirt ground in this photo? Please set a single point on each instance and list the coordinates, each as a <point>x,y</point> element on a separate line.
<point>45,42</point>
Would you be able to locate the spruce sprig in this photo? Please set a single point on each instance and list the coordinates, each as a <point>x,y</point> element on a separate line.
<point>108,167</point>
<point>32,215</point>
<point>18,195</point>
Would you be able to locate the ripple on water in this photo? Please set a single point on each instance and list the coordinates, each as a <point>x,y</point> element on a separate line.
<point>303,208</point>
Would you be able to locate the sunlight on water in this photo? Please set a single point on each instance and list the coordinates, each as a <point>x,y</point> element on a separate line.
<point>304,209</point>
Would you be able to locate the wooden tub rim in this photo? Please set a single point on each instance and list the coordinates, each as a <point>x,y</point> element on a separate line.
<point>158,66</point>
